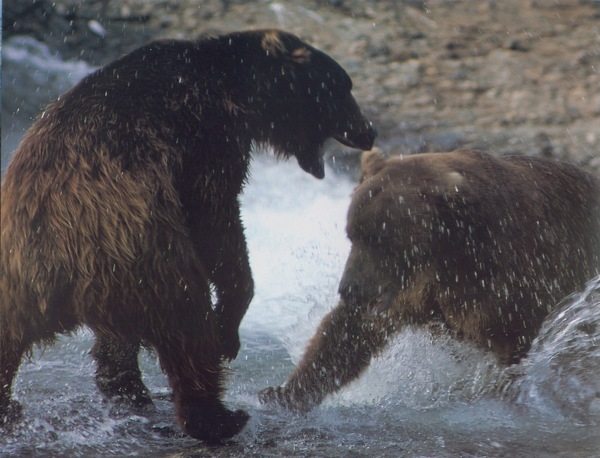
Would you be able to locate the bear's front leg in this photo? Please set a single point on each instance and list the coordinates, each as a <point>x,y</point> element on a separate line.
<point>233,300</point>
<point>194,368</point>
<point>346,340</point>
<point>231,276</point>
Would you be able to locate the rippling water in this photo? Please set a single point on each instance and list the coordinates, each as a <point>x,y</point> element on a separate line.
<point>423,396</point>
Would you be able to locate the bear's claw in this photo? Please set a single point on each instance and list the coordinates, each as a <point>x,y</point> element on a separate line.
<point>283,397</point>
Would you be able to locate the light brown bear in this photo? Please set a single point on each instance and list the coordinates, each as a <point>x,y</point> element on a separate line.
<point>484,245</point>
<point>120,208</point>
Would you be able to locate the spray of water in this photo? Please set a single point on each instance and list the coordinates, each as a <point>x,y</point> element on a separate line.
<point>561,375</point>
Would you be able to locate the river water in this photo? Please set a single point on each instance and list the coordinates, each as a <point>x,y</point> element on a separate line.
<point>423,396</point>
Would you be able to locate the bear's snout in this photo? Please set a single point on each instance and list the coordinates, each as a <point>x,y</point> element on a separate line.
<point>354,130</point>
<point>362,283</point>
<point>374,297</point>
<point>359,138</point>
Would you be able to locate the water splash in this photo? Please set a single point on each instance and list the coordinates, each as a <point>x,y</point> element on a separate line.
<point>561,375</point>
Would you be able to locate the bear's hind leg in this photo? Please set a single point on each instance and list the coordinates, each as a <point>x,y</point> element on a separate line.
<point>117,373</point>
<point>11,354</point>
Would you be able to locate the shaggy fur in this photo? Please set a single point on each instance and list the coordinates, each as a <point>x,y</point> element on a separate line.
<point>485,245</point>
<point>120,208</point>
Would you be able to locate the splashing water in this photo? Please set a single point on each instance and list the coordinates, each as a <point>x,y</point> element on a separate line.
<point>561,375</point>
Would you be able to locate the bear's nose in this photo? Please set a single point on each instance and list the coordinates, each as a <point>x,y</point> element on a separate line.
<point>373,296</point>
<point>355,292</point>
<point>359,272</point>
<point>345,291</point>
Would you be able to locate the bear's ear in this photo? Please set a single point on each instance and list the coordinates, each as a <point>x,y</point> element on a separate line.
<point>459,207</point>
<point>452,180</point>
<point>371,162</point>
<point>449,186</point>
<point>274,44</point>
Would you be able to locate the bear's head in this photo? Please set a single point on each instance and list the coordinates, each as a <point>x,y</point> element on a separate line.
<point>299,96</point>
<point>397,222</point>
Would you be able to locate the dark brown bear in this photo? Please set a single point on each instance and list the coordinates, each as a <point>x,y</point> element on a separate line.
<point>120,208</point>
<point>485,245</point>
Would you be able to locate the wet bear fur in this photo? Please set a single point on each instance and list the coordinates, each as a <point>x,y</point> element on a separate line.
<point>120,208</point>
<point>484,245</point>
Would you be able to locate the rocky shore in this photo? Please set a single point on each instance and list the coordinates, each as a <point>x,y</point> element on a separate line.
<point>508,76</point>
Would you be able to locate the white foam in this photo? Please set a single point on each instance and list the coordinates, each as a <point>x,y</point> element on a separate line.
<point>295,228</point>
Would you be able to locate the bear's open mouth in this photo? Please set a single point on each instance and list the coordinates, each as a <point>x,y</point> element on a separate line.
<point>315,166</point>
